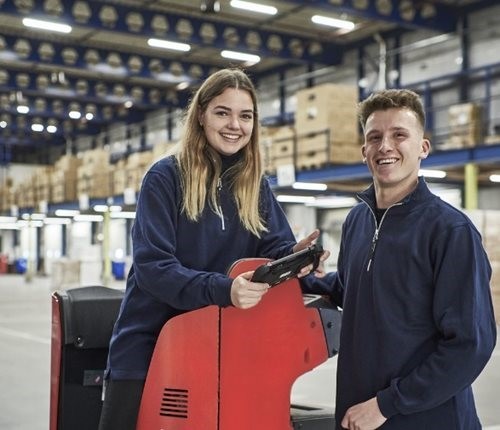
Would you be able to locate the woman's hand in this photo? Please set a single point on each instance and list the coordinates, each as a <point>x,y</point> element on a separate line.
<point>246,294</point>
<point>303,244</point>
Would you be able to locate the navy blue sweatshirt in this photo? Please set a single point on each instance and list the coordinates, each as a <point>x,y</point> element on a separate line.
<point>180,265</point>
<point>418,324</point>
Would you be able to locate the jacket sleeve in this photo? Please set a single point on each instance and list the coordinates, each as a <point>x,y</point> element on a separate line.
<point>331,284</point>
<point>154,239</point>
<point>463,317</point>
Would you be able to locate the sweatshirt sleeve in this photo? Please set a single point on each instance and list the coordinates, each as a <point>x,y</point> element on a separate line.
<point>465,325</point>
<point>154,238</point>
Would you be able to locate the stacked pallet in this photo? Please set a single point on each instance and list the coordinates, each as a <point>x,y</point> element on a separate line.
<point>465,122</point>
<point>488,224</point>
<point>326,126</point>
<point>93,175</point>
<point>64,179</point>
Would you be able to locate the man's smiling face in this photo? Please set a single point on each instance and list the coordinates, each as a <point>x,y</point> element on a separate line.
<point>394,145</point>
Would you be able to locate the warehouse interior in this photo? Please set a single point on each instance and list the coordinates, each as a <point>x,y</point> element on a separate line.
<point>92,92</point>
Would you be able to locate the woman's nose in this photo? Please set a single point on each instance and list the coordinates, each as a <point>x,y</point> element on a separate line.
<point>234,121</point>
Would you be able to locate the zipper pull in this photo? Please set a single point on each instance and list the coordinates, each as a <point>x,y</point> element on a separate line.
<point>372,250</point>
<point>221,213</point>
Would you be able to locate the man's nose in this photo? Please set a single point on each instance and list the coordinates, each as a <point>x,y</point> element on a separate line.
<point>385,144</point>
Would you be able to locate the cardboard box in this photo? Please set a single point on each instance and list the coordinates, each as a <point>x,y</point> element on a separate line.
<point>328,106</point>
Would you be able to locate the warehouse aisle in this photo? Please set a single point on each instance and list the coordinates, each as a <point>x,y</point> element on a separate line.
<point>25,362</point>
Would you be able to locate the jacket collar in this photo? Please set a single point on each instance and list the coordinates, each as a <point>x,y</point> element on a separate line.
<point>419,194</point>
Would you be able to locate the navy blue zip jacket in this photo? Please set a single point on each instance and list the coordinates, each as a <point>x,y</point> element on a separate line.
<point>181,265</point>
<point>418,324</point>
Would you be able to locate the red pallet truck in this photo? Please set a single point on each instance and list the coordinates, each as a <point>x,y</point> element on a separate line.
<point>227,368</point>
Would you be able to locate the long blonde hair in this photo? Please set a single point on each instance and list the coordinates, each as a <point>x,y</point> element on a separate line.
<point>200,164</point>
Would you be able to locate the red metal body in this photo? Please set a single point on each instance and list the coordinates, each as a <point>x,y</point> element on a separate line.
<point>227,368</point>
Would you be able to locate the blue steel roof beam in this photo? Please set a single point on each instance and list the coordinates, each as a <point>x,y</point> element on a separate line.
<point>26,131</point>
<point>327,54</point>
<point>30,141</point>
<point>120,74</point>
<point>50,114</point>
<point>444,20</point>
<point>31,90</point>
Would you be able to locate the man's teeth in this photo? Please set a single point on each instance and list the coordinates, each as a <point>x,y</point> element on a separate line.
<point>387,161</point>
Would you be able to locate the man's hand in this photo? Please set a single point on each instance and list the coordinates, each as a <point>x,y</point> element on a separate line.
<point>363,416</point>
<point>303,244</point>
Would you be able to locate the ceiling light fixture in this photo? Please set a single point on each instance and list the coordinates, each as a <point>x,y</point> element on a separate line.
<point>335,202</point>
<point>432,173</point>
<point>51,128</point>
<point>66,212</point>
<point>495,178</point>
<point>333,22</point>
<point>23,109</point>
<point>88,218</point>
<point>284,198</point>
<point>3,124</point>
<point>309,186</point>
<point>254,7</point>
<point>37,127</point>
<point>240,56</point>
<point>74,114</point>
<point>167,44</point>
<point>46,25</point>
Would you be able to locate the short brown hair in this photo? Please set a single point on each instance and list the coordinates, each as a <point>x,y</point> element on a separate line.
<point>393,98</point>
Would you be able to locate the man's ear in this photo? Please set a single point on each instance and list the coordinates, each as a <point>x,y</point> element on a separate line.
<point>363,153</point>
<point>426,149</point>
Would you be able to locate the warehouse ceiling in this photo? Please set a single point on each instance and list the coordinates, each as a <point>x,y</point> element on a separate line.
<point>105,71</point>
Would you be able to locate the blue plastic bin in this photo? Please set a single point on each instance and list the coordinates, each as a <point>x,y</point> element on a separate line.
<point>118,269</point>
<point>21,265</point>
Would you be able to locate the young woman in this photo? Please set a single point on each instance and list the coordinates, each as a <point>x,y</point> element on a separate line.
<point>197,213</point>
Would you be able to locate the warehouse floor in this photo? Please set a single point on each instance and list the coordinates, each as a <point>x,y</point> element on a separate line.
<point>25,318</point>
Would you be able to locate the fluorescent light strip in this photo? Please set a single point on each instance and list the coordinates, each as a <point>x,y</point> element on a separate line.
<point>91,218</point>
<point>309,186</point>
<point>240,56</point>
<point>432,173</point>
<point>283,198</point>
<point>127,215</point>
<point>254,7</point>
<point>46,25</point>
<point>495,178</point>
<point>167,44</point>
<point>336,202</point>
<point>67,212</point>
<point>333,22</point>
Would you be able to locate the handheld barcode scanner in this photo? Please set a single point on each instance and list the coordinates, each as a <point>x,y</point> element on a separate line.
<point>227,368</point>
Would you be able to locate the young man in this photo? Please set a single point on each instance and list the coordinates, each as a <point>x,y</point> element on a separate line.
<point>413,281</point>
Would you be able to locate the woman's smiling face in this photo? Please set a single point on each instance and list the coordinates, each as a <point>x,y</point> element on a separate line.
<point>228,121</point>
